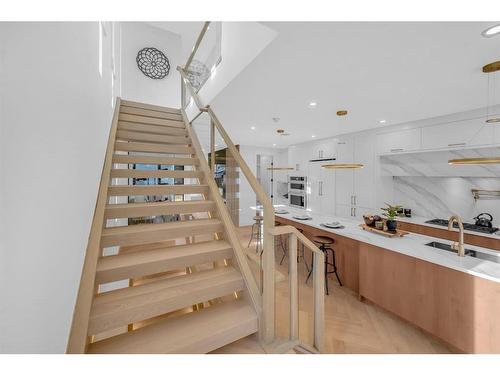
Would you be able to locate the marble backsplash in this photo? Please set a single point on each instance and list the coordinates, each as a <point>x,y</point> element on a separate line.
<point>439,197</point>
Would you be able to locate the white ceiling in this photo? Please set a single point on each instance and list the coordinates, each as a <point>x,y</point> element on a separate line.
<point>188,32</point>
<point>398,72</point>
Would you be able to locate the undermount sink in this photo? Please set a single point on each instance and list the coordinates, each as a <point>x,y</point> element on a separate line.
<point>468,252</point>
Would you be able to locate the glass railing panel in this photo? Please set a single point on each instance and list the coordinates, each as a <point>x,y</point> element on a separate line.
<point>207,56</point>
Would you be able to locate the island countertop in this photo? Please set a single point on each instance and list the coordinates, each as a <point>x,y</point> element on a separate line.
<point>412,245</point>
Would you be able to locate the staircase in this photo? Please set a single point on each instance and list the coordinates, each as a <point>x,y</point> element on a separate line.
<point>185,286</point>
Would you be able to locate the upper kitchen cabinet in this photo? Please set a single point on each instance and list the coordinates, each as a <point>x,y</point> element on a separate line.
<point>324,149</point>
<point>399,141</point>
<point>458,134</point>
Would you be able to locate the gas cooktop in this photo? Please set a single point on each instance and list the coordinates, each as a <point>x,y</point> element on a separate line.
<point>467,226</point>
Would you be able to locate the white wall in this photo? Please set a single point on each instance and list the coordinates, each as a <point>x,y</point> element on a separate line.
<point>56,115</point>
<point>241,43</point>
<point>135,85</point>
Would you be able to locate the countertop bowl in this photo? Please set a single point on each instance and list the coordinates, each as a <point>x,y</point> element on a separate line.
<point>369,220</point>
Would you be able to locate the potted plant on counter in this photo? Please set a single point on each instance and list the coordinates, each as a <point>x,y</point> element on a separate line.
<point>391,212</point>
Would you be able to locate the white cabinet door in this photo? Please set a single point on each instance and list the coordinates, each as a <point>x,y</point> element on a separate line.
<point>323,149</point>
<point>359,211</point>
<point>344,178</point>
<point>313,187</point>
<point>458,134</point>
<point>327,191</point>
<point>398,141</point>
<point>364,184</point>
<point>321,189</point>
<point>343,210</point>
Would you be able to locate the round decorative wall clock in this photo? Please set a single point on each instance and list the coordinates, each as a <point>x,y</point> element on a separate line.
<point>153,63</point>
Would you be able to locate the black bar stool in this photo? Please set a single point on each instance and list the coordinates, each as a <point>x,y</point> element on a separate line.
<point>325,246</point>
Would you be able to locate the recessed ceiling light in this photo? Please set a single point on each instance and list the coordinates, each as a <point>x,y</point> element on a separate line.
<point>252,127</point>
<point>274,144</point>
<point>382,121</point>
<point>313,136</point>
<point>491,31</point>
<point>313,104</point>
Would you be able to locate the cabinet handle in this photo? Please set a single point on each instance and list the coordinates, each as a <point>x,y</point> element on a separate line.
<point>351,211</point>
<point>321,188</point>
<point>354,208</point>
<point>355,200</point>
<point>397,149</point>
<point>456,144</point>
<point>341,143</point>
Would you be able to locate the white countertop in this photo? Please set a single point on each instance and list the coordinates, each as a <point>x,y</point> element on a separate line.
<point>422,221</point>
<point>411,245</point>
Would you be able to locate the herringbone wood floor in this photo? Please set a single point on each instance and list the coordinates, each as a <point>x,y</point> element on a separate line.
<point>351,326</point>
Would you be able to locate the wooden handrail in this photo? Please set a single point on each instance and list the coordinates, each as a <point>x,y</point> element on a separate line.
<point>318,283</point>
<point>197,44</point>
<point>78,338</point>
<point>288,229</point>
<point>232,235</point>
<point>267,330</point>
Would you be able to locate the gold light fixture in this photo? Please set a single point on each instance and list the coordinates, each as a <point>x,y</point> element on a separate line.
<point>343,166</point>
<point>490,68</point>
<point>342,113</point>
<point>475,161</point>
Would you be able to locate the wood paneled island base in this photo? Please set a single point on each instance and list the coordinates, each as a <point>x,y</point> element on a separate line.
<point>454,306</point>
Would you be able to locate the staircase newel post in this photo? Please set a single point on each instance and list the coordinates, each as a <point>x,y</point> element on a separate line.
<point>268,284</point>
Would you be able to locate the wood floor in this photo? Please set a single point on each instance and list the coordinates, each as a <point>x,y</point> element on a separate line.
<point>351,326</point>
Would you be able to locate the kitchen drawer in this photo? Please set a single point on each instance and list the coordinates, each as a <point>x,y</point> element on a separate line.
<point>399,141</point>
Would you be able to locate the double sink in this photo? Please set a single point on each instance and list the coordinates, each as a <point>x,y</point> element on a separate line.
<point>468,252</point>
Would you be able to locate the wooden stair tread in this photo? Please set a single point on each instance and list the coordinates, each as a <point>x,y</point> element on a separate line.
<point>131,103</point>
<point>197,332</point>
<point>150,128</point>
<point>149,112</point>
<point>126,210</point>
<point>120,307</point>
<point>154,173</point>
<point>153,147</point>
<point>158,160</point>
<point>173,123</point>
<point>127,190</point>
<point>148,262</point>
<point>131,190</point>
<point>148,233</point>
<point>128,135</point>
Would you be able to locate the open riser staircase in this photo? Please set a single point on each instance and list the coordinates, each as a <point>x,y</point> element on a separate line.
<point>182,288</point>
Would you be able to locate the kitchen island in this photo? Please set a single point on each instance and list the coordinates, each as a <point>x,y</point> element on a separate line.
<point>454,298</point>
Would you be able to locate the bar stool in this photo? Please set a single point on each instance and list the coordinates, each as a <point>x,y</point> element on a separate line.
<point>325,246</point>
<point>301,253</point>
<point>257,232</point>
<point>279,242</point>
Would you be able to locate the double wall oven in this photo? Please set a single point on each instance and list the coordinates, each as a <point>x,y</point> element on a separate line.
<point>297,186</point>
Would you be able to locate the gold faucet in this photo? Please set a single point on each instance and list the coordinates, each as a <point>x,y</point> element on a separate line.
<point>458,246</point>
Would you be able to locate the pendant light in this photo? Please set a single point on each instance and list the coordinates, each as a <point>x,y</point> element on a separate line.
<point>488,69</point>
<point>491,68</point>
<point>475,161</point>
<point>343,166</point>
